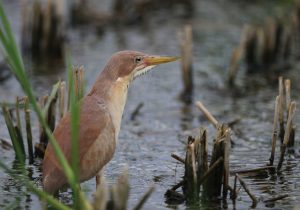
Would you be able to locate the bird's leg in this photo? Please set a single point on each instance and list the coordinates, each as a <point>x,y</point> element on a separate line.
<point>98,179</point>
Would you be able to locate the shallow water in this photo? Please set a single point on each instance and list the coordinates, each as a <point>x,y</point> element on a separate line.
<point>164,122</point>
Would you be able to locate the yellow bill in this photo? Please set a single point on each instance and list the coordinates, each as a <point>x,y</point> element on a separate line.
<point>156,60</point>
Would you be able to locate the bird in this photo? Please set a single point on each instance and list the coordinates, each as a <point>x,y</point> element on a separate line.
<point>100,118</point>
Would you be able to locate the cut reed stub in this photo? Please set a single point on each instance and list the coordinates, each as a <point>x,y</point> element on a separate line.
<point>43,29</point>
<point>281,108</point>
<point>48,104</point>
<point>275,130</point>
<point>288,129</point>
<point>186,45</point>
<point>190,177</point>
<point>213,184</point>
<point>116,196</point>
<point>198,175</point>
<point>15,135</point>
<point>236,57</point>
<point>40,147</point>
<point>268,47</point>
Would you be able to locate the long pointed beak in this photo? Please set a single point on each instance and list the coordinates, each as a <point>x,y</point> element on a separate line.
<point>152,60</point>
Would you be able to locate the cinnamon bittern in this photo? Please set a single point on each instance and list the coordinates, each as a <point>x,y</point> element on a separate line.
<point>100,119</point>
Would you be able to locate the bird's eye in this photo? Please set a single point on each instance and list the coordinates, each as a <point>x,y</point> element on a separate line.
<point>137,59</point>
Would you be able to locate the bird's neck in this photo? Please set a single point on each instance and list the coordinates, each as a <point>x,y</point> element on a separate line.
<point>117,96</point>
<point>113,93</point>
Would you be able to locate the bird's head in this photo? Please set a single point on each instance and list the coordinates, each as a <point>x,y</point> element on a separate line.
<point>128,65</point>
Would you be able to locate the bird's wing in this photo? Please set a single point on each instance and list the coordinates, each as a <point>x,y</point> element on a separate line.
<point>94,117</point>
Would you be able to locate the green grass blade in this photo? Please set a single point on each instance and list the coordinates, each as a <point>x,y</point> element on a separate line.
<point>75,112</point>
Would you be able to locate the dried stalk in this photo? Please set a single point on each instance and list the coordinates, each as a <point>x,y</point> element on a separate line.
<point>176,157</point>
<point>275,133</point>
<point>235,60</point>
<point>244,185</point>
<point>186,45</point>
<point>202,158</point>
<point>287,85</point>
<point>207,114</point>
<point>210,170</point>
<point>226,164</point>
<point>190,177</point>
<point>281,109</point>
<point>253,170</point>
<point>234,192</point>
<point>288,129</point>
<point>276,198</point>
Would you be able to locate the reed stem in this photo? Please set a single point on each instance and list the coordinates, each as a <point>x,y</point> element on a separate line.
<point>28,130</point>
<point>275,132</point>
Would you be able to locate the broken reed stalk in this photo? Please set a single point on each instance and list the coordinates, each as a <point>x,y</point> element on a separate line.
<point>186,45</point>
<point>226,164</point>
<point>176,157</point>
<point>79,81</point>
<point>202,154</point>
<point>211,169</point>
<point>78,77</point>
<point>234,192</point>
<point>51,115</point>
<point>43,29</point>
<point>43,136</point>
<point>212,186</point>
<point>253,170</point>
<point>116,196</point>
<point>244,185</point>
<point>207,114</point>
<point>292,109</point>
<point>48,104</point>
<point>275,132</point>
<point>287,85</point>
<point>15,135</point>
<point>236,57</point>
<point>197,173</point>
<point>276,198</point>
<point>61,102</point>
<point>190,176</point>
<point>28,130</point>
<point>281,109</point>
